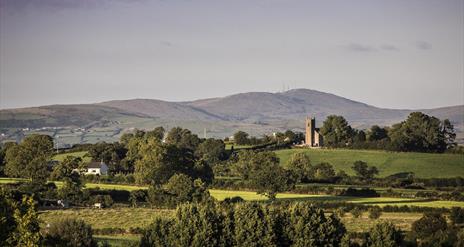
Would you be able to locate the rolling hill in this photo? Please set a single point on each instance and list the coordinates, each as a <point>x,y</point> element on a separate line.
<point>255,112</point>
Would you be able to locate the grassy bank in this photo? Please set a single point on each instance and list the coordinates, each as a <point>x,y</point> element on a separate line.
<point>424,165</point>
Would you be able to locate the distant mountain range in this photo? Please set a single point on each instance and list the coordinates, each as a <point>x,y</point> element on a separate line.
<point>255,112</point>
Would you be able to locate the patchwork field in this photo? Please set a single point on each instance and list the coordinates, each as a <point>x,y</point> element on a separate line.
<point>127,218</point>
<point>424,165</point>
<point>253,196</point>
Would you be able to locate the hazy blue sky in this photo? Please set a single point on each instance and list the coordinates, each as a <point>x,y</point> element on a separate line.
<point>395,54</point>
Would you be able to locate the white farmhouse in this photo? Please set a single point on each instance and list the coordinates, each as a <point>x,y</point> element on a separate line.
<point>96,168</point>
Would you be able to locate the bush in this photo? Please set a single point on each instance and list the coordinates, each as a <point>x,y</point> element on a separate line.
<point>356,212</point>
<point>340,212</point>
<point>457,215</point>
<point>235,199</point>
<point>305,225</point>
<point>374,213</point>
<point>105,200</point>
<point>179,189</point>
<point>364,192</point>
<point>137,196</point>
<point>432,230</point>
<point>429,224</point>
<point>384,235</point>
<point>70,232</point>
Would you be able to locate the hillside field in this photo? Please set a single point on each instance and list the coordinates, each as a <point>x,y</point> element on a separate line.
<point>81,154</point>
<point>424,165</point>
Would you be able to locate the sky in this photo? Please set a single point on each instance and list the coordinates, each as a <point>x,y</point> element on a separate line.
<point>392,54</point>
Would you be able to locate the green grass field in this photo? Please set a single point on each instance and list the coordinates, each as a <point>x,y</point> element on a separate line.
<point>424,165</point>
<point>124,218</point>
<point>60,157</point>
<point>236,147</point>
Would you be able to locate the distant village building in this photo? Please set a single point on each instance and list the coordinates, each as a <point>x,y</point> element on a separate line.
<point>96,168</point>
<point>313,137</point>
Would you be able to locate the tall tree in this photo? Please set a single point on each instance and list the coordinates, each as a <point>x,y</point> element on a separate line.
<point>182,138</point>
<point>364,171</point>
<point>211,150</point>
<point>336,131</point>
<point>300,165</point>
<point>263,171</point>
<point>241,138</point>
<point>110,153</point>
<point>27,232</point>
<point>377,133</point>
<point>29,158</point>
<point>422,133</point>
<point>157,133</point>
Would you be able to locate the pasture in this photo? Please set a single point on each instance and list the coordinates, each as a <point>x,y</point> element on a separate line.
<point>424,165</point>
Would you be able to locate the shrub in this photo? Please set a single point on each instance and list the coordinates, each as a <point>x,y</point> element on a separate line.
<point>429,224</point>
<point>457,215</point>
<point>70,232</point>
<point>340,212</point>
<point>374,213</point>
<point>364,192</point>
<point>158,233</point>
<point>356,212</point>
<point>384,235</point>
<point>137,196</point>
<point>252,227</point>
<point>306,224</point>
<point>232,200</point>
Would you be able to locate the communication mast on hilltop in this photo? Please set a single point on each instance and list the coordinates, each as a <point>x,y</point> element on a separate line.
<point>285,87</point>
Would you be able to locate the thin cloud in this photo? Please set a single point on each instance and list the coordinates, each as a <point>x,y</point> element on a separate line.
<point>166,43</point>
<point>16,5</point>
<point>356,47</point>
<point>423,45</point>
<point>389,48</point>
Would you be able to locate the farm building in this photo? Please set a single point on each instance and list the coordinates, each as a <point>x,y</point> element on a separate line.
<point>96,168</point>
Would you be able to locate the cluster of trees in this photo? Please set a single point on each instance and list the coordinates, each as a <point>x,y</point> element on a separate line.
<point>29,159</point>
<point>20,226</point>
<point>299,164</point>
<point>177,145</point>
<point>245,224</point>
<point>243,138</point>
<point>262,171</point>
<point>180,188</point>
<point>303,171</point>
<point>433,230</point>
<point>295,224</point>
<point>418,133</point>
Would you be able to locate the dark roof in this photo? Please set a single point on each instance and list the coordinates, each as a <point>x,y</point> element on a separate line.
<point>94,164</point>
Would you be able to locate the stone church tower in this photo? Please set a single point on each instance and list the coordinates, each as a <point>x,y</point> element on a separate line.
<point>312,138</point>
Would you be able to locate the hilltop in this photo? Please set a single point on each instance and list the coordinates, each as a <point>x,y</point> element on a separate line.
<point>254,112</point>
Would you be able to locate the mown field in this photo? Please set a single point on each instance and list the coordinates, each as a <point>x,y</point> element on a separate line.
<point>127,218</point>
<point>424,165</point>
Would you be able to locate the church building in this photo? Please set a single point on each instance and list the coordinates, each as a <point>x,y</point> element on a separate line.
<point>313,137</point>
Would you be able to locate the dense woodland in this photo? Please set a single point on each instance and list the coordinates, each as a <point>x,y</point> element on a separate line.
<point>179,167</point>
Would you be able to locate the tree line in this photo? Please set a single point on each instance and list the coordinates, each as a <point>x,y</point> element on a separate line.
<point>418,133</point>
